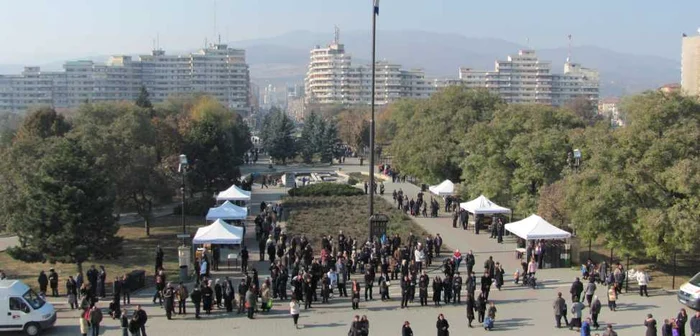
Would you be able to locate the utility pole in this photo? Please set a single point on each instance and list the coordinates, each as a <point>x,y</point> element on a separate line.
<point>375,13</point>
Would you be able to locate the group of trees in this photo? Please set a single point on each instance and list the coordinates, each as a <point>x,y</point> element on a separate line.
<point>318,138</point>
<point>637,186</point>
<point>64,178</point>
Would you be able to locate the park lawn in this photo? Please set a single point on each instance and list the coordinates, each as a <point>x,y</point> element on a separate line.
<point>138,254</point>
<point>318,216</point>
<point>362,177</point>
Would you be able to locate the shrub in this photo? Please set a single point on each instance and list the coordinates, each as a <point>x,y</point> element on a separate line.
<point>352,181</point>
<point>326,189</point>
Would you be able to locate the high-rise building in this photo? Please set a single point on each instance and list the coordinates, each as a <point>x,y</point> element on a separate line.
<point>523,78</point>
<point>690,65</point>
<point>332,79</point>
<point>216,70</point>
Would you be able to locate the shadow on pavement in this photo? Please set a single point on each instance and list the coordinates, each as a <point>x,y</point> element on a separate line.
<point>635,307</point>
<point>510,324</point>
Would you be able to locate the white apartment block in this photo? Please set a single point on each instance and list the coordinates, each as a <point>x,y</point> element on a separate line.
<point>523,78</point>
<point>690,65</point>
<point>332,79</point>
<point>217,70</point>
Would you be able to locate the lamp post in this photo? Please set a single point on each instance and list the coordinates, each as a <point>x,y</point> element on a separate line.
<point>182,169</point>
<point>375,13</point>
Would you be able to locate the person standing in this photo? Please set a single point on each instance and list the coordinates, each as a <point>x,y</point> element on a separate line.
<point>124,323</point>
<point>595,311</point>
<point>576,290</point>
<point>681,320</point>
<point>558,307</point>
<point>576,311</point>
<point>612,297</point>
<point>609,331</point>
<point>406,329</point>
<point>650,324</point>
<point>364,323</point>
<point>53,282</point>
<point>457,288</point>
<point>141,316</point>
<point>196,298</point>
<point>695,324</point>
<point>443,327</point>
<point>481,306</point>
<point>643,282</point>
<point>491,315</point>
<point>250,301</point>
<point>355,295</point>
<point>294,311</point>
<point>586,327</point>
<point>169,298</point>
<point>72,292</point>
<point>207,297</point>
<point>43,281</point>
<point>182,295</point>
<point>83,321</point>
<point>437,290</point>
<point>590,291</point>
<point>405,283</point>
<point>470,309</point>
<point>95,320</point>
<point>369,283</point>
<point>423,281</point>
<point>159,258</point>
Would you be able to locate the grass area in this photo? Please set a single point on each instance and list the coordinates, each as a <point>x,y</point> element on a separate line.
<point>138,253</point>
<point>318,216</point>
<point>325,189</point>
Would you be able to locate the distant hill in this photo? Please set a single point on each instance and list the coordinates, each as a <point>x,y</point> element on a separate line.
<point>284,58</point>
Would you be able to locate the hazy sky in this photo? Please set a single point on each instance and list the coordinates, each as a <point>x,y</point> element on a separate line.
<point>34,31</point>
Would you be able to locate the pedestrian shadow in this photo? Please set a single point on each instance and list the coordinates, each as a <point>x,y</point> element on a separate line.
<point>324,325</point>
<point>384,308</point>
<point>512,301</point>
<point>635,307</point>
<point>511,324</point>
<point>621,326</point>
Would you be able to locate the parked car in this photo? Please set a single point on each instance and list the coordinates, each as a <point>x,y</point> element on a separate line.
<point>689,293</point>
<point>22,309</point>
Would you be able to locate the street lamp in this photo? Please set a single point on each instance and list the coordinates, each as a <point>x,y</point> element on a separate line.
<point>375,13</point>
<point>182,169</point>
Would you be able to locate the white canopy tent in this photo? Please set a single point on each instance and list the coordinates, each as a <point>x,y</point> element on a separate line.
<point>227,211</point>
<point>219,233</point>
<point>234,193</point>
<point>534,227</point>
<point>443,189</point>
<point>483,206</point>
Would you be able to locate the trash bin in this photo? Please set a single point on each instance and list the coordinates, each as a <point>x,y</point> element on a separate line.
<point>423,187</point>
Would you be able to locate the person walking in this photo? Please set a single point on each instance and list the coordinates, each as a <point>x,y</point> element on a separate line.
<point>612,298</point>
<point>95,320</point>
<point>406,329</point>
<point>595,311</point>
<point>53,282</point>
<point>558,306</point>
<point>364,324</point>
<point>294,311</point>
<point>481,307</point>
<point>576,311</point>
<point>83,321</point>
<point>126,290</point>
<point>643,282</point>
<point>650,324</point>
<point>586,327</point>
<point>491,316</point>
<point>43,281</point>
<point>141,316</point>
<point>590,291</point>
<point>576,290</point>
<point>250,301</point>
<point>442,326</point>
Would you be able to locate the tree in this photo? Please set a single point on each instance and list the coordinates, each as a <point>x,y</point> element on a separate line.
<point>552,204</point>
<point>307,142</point>
<point>68,206</point>
<point>43,123</point>
<point>278,136</point>
<point>143,99</point>
<point>353,128</point>
<point>329,143</point>
<point>584,109</point>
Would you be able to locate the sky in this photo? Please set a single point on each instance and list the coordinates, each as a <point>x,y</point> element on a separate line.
<point>36,31</point>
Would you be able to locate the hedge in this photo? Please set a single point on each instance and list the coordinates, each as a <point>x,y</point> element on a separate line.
<point>326,189</point>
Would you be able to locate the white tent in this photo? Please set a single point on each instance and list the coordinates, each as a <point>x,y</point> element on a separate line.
<point>228,211</point>
<point>483,206</point>
<point>534,227</point>
<point>443,189</point>
<point>233,194</point>
<point>219,233</point>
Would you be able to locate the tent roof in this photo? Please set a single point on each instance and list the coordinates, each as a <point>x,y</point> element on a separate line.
<point>483,206</point>
<point>227,210</point>
<point>444,188</point>
<point>534,227</point>
<point>234,193</point>
<point>218,233</point>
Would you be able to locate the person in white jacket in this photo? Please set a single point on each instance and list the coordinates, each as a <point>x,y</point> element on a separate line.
<point>643,281</point>
<point>333,277</point>
<point>419,257</point>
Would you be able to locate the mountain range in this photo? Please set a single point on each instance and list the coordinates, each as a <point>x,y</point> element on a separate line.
<point>283,59</point>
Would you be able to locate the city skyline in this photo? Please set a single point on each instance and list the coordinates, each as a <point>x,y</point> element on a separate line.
<point>36,34</point>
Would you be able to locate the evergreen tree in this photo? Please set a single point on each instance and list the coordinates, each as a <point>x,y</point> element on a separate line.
<point>330,142</point>
<point>143,100</point>
<point>307,147</point>
<point>278,137</point>
<point>67,212</point>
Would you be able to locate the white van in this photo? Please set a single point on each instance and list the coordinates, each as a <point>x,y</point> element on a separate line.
<point>689,293</point>
<point>22,309</point>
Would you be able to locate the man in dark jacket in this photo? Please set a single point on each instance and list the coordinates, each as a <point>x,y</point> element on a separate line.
<point>695,324</point>
<point>53,282</point>
<point>576,290</point>
<point>141,316</point>
<point>558,306</point>
<point>196,297</point>
<point>486,284</point>
<point>244,259</point>
<point>457,289</point>
<point>369,282</point>
<point>169,297</point>
<point>470,261</point>
<point>95,320</point>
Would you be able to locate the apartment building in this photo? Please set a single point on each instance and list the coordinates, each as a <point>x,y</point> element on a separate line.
<point>216,70</point>
<point>690,65</point>
<point>523,78</point>
<point>331,78</point>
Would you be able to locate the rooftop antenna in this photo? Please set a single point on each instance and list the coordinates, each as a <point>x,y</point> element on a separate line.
<point>158,41</point>
<point>154,44</point>
<point>215,28</point>
<point>336,38</point>
<point>568,56</point>
<point>527,42</point>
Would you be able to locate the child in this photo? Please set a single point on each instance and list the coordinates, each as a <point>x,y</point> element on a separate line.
<point>516,276</point>
<point>488,323</point>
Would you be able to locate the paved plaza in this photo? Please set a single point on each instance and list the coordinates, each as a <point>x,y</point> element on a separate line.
<point>521,311</point>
